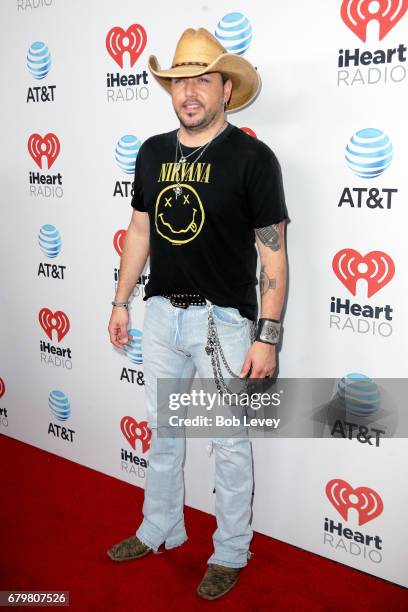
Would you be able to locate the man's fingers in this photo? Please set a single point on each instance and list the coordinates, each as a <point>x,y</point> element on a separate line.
<point>245,368</point>
<point>119,336</point>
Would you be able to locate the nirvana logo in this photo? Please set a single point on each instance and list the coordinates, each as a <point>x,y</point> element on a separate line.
<point>44,151</point>
<point>58,323</point>
<point>369,20</point>
<point>368,505</point>
<point>138,435</point>
<point>376,269</point>
<point>130,44</point>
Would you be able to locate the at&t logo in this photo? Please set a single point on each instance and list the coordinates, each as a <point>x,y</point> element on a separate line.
<point>44,151</point>
<point>60,408</point>
<point>362,501</point>
<point>133,350</point>
<point>361,410</point>
<point>372,20</point>
<point>38,65</point>
<point>138,434</point>
<point>126,152</point>
<point>368,154</point>
<point>375,269</point>
<point>50,243</point>
<point>57,324</point>
<point>234,32</point>
<point>129,44</point>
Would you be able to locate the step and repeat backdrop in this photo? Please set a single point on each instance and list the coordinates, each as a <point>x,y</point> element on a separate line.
<point>77,103</point>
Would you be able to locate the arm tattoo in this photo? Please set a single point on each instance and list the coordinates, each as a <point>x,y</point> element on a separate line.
<point>266,283</point>
<point>269,236</point>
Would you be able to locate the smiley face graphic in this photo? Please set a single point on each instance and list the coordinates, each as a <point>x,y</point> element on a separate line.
<point>179,219</point>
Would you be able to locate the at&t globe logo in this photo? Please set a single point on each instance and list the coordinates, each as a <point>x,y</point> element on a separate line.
<point>359,394</point>
<point>369,153</point>
<point>59,405</point>
<point>126,152</point>
<point>234,32</point>
<point>38,60</point>
<point>39,64</point>
<point>134,347</point>
<point>50,240</point>
<point>60,408</point>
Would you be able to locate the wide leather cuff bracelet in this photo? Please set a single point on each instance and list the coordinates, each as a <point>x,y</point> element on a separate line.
<point>268,331</point>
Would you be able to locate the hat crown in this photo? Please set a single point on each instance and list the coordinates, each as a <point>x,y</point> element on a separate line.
<point>197,46</point>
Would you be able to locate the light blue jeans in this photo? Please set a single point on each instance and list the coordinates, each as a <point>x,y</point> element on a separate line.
<point>173,345</point>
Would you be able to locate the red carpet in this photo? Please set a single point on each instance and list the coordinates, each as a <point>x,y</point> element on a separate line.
<point>58,518</point>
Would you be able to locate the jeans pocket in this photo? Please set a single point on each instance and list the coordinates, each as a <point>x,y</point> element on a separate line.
<point>229,315</point>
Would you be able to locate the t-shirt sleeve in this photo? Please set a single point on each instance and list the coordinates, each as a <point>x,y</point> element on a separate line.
<point>265,189</point>
<point>137,201</point>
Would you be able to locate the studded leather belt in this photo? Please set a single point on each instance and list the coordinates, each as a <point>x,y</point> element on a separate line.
<point>184,300</point>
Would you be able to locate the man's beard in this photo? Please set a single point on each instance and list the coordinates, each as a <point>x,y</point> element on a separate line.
<point>200,123</point>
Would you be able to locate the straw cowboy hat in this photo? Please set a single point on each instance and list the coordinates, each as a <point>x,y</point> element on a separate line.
<point>199,52</point>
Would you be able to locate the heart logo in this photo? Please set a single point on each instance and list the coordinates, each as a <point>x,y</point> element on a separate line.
<point>248,131</point>
<point>357,14</point>
<point>48,147</point>
<point>366,501</point>
<point>133,430</point>
<point>2,387</point>
<point>57,320</point>
<point>118,241</point>
<point>377,268</point>
<point>133,40</point>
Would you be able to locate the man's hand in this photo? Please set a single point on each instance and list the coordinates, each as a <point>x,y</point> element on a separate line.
<point>262,358</point>
<point>118,326</point>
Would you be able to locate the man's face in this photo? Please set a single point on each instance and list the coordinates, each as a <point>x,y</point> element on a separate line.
<point>199,100</point>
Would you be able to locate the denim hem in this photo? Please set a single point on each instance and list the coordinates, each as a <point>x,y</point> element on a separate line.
<point>147,542</point>
<point>167,547</point>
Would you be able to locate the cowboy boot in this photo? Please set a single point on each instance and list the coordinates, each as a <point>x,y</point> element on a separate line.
<point>131,548</point>
<point>217,581</point>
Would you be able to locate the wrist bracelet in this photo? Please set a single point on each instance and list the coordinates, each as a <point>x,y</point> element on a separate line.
<point>268,331</point>
<point>125,304</point>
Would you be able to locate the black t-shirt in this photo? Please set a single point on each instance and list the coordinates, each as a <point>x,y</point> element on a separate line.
<point>203,240</point>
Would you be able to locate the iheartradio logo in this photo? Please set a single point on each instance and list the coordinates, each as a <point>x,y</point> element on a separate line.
<point>133,41</point>
<point>248,131</point>
<point>134,430</point>
<point>2,387</point>
<point>57,321</point>
<point>48,147</point>
<point>377,268</point>
<point>357,14</point>
<point>343,497</point>
<point>118,239</point>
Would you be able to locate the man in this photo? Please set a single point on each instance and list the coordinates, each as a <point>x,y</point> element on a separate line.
<point>203,195</point>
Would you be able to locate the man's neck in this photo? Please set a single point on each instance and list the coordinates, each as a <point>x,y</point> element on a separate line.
<point>197,137</point>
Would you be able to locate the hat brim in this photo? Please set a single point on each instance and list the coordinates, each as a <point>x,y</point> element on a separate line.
<point>246,81</point>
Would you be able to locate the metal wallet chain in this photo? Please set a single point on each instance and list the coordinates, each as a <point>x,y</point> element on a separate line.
<point>214,350</point>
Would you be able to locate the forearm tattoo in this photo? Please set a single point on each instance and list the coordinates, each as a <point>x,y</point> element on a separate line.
<point>265,282</point>
<point>269,236</point>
